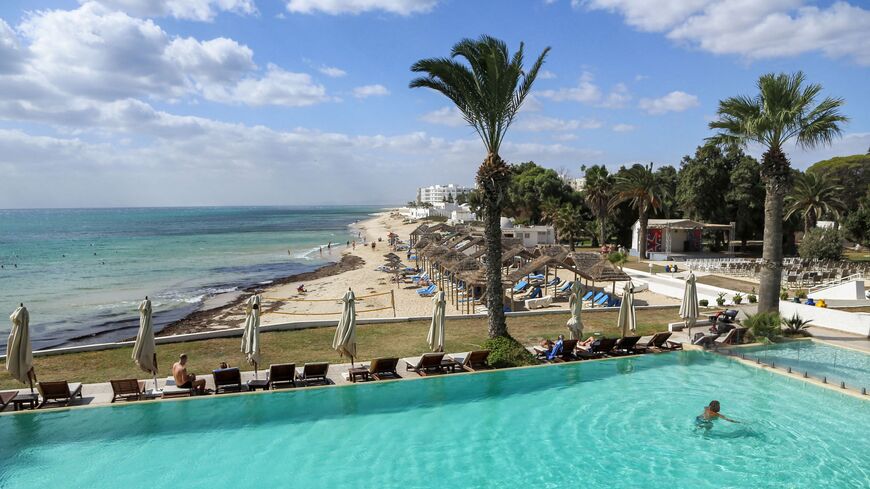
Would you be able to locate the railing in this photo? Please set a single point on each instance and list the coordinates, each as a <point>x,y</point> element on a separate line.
<point>841,280</point>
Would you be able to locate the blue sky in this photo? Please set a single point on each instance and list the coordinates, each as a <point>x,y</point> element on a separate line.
<point>210,102</point>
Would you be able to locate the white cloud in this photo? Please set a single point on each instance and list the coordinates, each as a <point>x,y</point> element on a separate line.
<point>587,92</point>
<point>337,7</point>
<point>546,75</point>
<point>366,91</point>
<point>623,127</point>
<point>564,137</point>
<point>201,10</point>
<point>445,116</point>
<point>750,28</point>
<point>539,123</point>
<point>277,87</point>
<point>10,50</point>
<point>675,101</point>
<point>332,71</point>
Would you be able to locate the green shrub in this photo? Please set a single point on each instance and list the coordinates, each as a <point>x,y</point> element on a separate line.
<point>764,325</point>
<point>505,351</point>
<point>795,326</point>
<point>720,299</point>
<point>783,294</point>
<point>752,298</point>
<point>738,298</point>
<point>821,244</point>
<point>703,302</point>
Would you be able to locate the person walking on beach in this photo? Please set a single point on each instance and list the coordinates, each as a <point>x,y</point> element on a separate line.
<point>185,380</point>
<point>354,244</point>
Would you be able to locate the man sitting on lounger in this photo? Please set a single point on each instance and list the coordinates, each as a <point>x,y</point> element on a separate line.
<point>185,380</point>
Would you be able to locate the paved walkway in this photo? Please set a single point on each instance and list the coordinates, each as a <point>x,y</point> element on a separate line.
<point>840,338</point>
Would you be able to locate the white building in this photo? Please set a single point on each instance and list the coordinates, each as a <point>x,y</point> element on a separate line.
<point>531,235</point>
<point>440,209</point>
<point>577,184</point>
<point>666,237</point>
<point>434,194</point>
<point>462,214</point>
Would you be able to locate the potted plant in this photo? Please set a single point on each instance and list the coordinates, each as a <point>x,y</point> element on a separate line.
<point>796,326</point>
<point>704,302</point>
<point>783,294</point>
<point>720,299</point>
<point>738,298</point>
<point>752,298</point>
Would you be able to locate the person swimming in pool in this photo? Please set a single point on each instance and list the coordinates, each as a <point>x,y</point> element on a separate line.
<point>711,413</point>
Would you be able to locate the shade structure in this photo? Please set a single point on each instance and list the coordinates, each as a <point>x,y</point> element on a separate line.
<point>575,304</point>
<point>144,350</point>
<point>436,329</point>
<point>251,334</point>
<point>689,306</point>
<point>627,320</point>
<point>345,334</point>
<point>19,351</point>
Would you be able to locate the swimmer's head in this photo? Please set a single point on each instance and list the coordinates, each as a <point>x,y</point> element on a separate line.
<point>714,406</point>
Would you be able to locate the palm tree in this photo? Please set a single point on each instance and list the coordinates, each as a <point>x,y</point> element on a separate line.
<point>489,91</point>
<point>814,196</point>
<point>784,109</point>
<point>643,189</point>
<point>568,222</point>
<point>597,193</point>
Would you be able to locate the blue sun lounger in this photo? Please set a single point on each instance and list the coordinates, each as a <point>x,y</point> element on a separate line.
<point>597,296</point>
<point>555,281</point>
<point>566,287</point>
<point>588,295</point>
<point>602,300</point>
<point>427,290</point>
<point>522,284</point>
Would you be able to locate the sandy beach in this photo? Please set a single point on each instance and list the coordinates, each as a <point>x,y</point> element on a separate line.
<point>354,268</point>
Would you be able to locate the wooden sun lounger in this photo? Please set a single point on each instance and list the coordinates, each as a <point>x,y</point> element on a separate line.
<point>171,389</point>
<point>598,349</point>
<point>472,360</point>
<point>227,380</point>
<point>567,354</point>
<point>626,345</point>
<point>313,373</point>
<point>61,391</point>
<point>659,341</point>
<point>381,368</point>
<point>425,364</point>
<point>281,374</point>
<point>6,398</point>
<point>127,389</point>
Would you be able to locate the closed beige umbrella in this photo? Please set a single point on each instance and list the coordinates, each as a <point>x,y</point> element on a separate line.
<point>19,351</point>
<point>345,334</point>
<point>689,306</point>
<point>251,335</point>
<point>627,320</point>
<point>575,304</point>
<point>436,329</point>
<point>144,350</point>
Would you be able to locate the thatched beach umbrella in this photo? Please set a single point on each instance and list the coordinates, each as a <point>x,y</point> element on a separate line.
<point>627,320</point>
<point>689,306</point>
<point>575,304</point>
<point>144,350</point>
<point>251,335</point>
<point>19,351</point>
<point>344,341</point>
<point>436,329</point>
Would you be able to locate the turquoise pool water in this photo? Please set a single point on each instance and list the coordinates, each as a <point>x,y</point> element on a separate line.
<point>623,423</point>
<point>819,360</point>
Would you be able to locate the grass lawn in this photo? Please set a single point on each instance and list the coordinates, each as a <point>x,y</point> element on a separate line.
<point>858,256</point>
<point>311,345</point>
<point>643,266</point>
<point>728,283</point>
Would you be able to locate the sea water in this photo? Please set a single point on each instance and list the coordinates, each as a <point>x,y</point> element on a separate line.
<point>82,272</point>
<point>626,423</point>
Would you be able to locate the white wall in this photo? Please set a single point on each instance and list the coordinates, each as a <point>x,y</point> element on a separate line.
<point>849,322</point>
<point>848,291</point>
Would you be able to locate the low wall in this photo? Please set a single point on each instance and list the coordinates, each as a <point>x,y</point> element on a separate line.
<point>323,323</point>
<point>675,288</point>
<point>848,322</point>
<point>847,291</point>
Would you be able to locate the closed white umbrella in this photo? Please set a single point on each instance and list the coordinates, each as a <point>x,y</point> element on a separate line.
<point>689,306</point>
<point>627,320</point>
<point>436,330</point>
<point>144,350</point>
<point>575,304</point>
<point>345,334</point>
<point>251,335</point>
<point>19,351</point>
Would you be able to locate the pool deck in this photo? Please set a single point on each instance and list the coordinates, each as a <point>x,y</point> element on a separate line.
<point>101,393</point>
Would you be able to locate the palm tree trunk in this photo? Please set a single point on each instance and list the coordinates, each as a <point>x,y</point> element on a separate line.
<point>492,178</point>
<point>641,240</point>
<point>775,173</point>
<point>602,215</point>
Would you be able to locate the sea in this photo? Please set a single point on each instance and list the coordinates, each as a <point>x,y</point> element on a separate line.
<point>82,272</point>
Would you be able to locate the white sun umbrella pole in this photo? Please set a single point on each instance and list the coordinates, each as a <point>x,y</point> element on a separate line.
<point>627,320</point>
<point>575,304</point>
<point>144,350</point>
<point>251,335</point>
<point>19,351</point>
<point>436,329</point>
<point>689,306</point>
<point>344,341</point>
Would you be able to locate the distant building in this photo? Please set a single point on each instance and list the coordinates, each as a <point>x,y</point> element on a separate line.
<point>666,238</point>
<point>530,235</point>
<point>577,184</point>
<point>434,194</point>
<point>462,214</point>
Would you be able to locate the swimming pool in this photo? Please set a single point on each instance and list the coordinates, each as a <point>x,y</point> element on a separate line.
<point>819,360</point>
<point>621,423</point>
